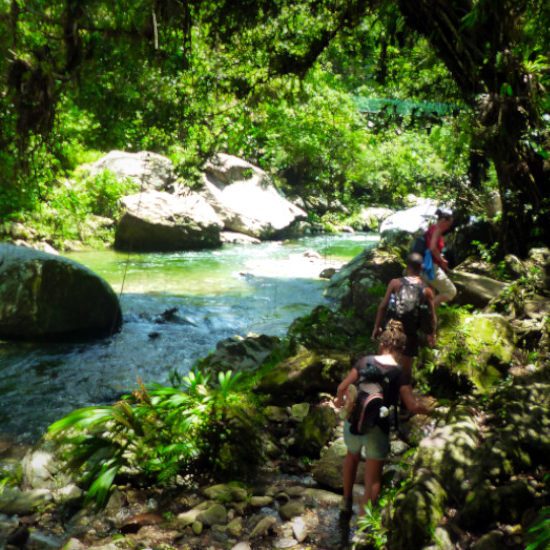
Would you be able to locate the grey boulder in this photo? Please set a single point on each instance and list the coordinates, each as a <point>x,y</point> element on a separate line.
<point>46,296</point>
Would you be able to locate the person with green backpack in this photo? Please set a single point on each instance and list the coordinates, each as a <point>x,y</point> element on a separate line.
<point>410,301</point>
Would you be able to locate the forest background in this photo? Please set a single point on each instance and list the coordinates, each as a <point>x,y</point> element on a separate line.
<point>344,102</point>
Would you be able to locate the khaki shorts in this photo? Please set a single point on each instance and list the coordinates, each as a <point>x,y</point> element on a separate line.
<point>442,284</point>
<point>376,442</point>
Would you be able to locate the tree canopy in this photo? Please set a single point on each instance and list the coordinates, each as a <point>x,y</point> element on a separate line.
<point>278,82</point>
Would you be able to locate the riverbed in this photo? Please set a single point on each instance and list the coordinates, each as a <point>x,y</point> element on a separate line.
<point>176,307</point>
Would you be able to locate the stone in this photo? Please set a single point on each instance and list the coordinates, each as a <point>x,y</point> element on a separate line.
<point>291,509</point>
<point>263,527</point>
<point>260,501</point>
<point>245,198</point>
<point>242,546</point>
<point>299,411</point>
<point>148,170</point>
<point>68,493</point>
<point>226,493</point>
<point>284,542</point>
<point>371,217</point>
<point>450,450</point>
<point>472,351</point>
<point>299,529</point>
<point>327,273</point>
<point>39,468</point>
<point>229,237</point>
<point>315,431</point>
<point>361,283</point>
<point>187,518</point>
<point>295,491</point>
<point>417,512</point>
<point>489,541</point>
<point>275,414</point>
<point>235,527</point>
<point>327,471</point>
<point>197,527</point>
<point>41,245</point>
<point>411,220</point>
<point>504,504</point>
<point>304,375</point>
<point>240,354</point>
<point>156,221</point>
<point>15,501</point>
<point>475,289</point>
<point>42,541</point>
<point>214,515</point>
<point>46,296</point>
<point>73,544</point>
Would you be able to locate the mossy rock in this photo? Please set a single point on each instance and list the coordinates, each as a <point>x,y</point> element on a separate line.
<point>323,328</point>
<point>304,375</point>
<point>43,296</point>
<point>418,512</point>
<point>240,354</point>
<point>372,267</point>
<point>315,431</point>
<point>486,505</point>
<point>449,452</point>
<point>473,352</point>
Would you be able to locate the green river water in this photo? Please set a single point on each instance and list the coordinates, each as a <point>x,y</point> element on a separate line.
<point>235,290</point>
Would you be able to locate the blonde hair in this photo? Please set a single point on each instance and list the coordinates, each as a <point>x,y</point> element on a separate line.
<point>393,338</point>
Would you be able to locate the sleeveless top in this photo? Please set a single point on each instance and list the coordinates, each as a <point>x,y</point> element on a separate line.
<point>440,242</point>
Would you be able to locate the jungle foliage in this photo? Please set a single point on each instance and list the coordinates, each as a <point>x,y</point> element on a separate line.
<point>283,84</point>
<point>164,435</point>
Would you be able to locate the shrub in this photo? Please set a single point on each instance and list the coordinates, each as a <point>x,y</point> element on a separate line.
<point>159,432</point>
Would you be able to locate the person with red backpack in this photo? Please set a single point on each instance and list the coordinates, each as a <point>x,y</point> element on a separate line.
<point>377,381</point>
<point>410,301</point>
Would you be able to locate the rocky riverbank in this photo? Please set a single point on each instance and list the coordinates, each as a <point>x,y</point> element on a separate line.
<point>472,476</point>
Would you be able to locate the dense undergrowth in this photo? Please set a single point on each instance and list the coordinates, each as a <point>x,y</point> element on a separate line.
<point>196,429</point>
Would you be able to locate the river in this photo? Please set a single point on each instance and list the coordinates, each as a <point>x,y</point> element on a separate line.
<point>235,290</point>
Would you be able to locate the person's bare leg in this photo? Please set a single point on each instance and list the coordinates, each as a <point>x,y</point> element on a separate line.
<point>373,482</point>
<point>350,471</point>
<point>407,364</point>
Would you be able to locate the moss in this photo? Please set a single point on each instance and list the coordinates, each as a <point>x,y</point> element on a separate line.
<point>473,350</point>
<point>305,374</point>
<point>417,513</point>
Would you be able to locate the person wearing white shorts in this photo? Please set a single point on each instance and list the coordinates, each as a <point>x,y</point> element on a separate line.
<point>446,290</point>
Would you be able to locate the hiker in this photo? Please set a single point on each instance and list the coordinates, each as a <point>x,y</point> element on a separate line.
<point>435,243</point>
<point>412,303</point>
<point>376,440</point>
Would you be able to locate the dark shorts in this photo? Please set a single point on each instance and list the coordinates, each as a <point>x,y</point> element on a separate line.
<point>411,347</point>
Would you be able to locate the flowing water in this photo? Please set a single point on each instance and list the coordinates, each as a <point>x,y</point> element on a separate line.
<point>231,291</point>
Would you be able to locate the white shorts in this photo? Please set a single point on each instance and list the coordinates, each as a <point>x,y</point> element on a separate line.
<point>442,284</point>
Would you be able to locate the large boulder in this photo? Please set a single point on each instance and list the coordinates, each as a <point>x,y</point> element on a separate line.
<point>474,352</point>
<point>327,471</point>
<point>47,296</point>
<point>240,354</point>
<point>362,281</point>
<point>475,289</point>
<point>304,375</point>
<point>370,218</point>
<point>152,172</point>
<point>246,199</point>
<point>159,221</point>
<point>411,220</point>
